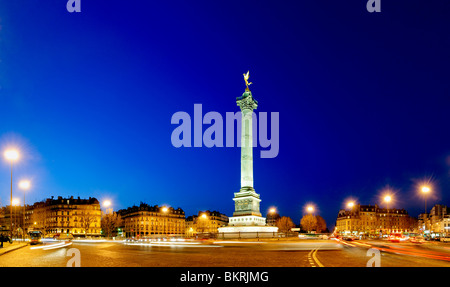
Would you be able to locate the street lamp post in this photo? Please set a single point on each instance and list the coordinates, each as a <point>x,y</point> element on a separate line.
<point>425,190</point>
<point>388,199</point>
<point>310,210</point>
<point>24,185</point>
<point>11,155</point>
<point>15,202</point>
<point>272,212</point>
<point>106,204</point>
<point>350,205</point>
<point>204,217</point>
<point>164,210</point>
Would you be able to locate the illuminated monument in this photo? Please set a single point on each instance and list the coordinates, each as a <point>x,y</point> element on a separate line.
<point>246,216</point>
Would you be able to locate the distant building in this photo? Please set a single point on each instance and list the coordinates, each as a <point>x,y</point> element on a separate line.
<point>271,218</point>
<point>442,226</point>
<point>152,221</point>
<point>76,216</point>
<point>190,227</point>
<point>372,220</point>
<point>439,219</point>
<point>205,222</point>
<point>17,220</point>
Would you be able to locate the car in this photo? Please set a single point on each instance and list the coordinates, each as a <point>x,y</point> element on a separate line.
<point>397,237</point>
<point>5,238</point>
<point>309,236</point>
<point>348,238</point>
<point>63,236</point>
<point>417,239</point>
<point>35,237</point>
<point>445,238</point>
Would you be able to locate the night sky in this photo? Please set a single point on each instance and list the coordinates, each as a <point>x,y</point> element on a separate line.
<point>363,99</point>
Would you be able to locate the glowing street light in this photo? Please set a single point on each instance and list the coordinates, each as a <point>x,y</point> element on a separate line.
<point>351,204</point>
<point>11,155</point>
<point>425,190</point>
<point>310,209</point>
<point>271,216</point>
<point>204,224</point>
<point>107,203</point>
<point>16,202</point>
<point>24,185</point>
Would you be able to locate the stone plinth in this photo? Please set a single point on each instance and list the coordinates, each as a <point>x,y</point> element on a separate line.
<point>247,232</point>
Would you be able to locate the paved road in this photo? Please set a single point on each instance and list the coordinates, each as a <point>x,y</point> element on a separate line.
<point>306,253</point>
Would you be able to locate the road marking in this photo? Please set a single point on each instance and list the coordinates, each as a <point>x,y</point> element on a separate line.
<point>315,258</point>
<point>310,259</point>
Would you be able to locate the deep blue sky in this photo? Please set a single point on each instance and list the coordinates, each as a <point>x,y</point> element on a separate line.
<point>363,100</point>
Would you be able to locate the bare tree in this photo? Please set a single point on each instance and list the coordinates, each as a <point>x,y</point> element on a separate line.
<point>285,224</point>
<point>86,219</point>
<point>309,222</point>
<point>321,224</point>
<point>110,222</point>
<point>41,220</point>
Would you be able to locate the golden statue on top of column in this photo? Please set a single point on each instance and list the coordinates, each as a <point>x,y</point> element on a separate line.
<point>246,76</point>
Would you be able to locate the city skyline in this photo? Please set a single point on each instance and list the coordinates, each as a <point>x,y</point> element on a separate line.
<point>387,192</point>
<point>356,115</point>
<point>246,135</point>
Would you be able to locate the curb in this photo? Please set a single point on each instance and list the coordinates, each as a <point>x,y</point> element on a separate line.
<point>12,249</point>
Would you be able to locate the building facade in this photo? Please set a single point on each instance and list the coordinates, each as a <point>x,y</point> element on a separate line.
<point>76,216</point>
<point>373,220</point>
<point>437,221</point>
<point>271,218</point>
<point>17,220</point>
<point>152,221</point>
<point>205,222</point>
